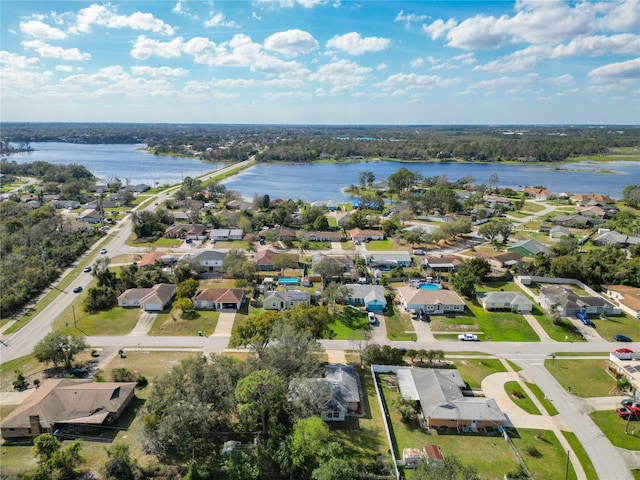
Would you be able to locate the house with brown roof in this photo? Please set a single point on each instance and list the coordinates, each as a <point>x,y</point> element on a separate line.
<point>265,259</point>
<point>537,193</point>
<point>155,257</point>
<point>282,233</point>
<point>154,299</point>
<point>219,299</point>
<point>430,301</point>
<point>502,259</point>
<point>78,226</point>
<point>358,235</point>
<point>337,236</point>
<point>194,231</point>
<point>66,405</point>
<point>627,297</point>
<point>442,263</point>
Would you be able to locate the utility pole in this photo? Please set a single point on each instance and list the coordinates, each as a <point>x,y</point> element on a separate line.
<point>566,473</point>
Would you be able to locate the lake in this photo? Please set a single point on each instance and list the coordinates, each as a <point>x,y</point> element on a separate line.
<point>122,161</point>
<point>325,181</point>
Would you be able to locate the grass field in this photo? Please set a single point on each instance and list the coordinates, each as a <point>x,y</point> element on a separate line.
<point>381,245</point>
<point>546,404</point>
<point>117,321</point>
<point>565,332</point>
<point>522,400</point>
<point>399,326</point>
<point>615,324</point>
<point>580,452</point>
<point>473,371</point>
<point>171,324</point>
<point>614,427</point>
<point>502,326</point>
<point>587,378</point>
<point>543,454</point>
<point>349,324</point>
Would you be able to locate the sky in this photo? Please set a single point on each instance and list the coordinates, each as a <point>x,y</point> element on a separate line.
<point>321,61</point>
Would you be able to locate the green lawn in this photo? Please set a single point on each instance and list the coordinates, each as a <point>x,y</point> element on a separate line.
<point>117,321</point>
<point>473,371</point>
<point>28,364</point>
<point>489,455</point>
<point>546,404</point>
<point>522,400</point>
<point>549,458</point>
<point>171,324</point>
<point>587,378</point>
<point>580,452</point>
<point>614,427</point>
<point>380,245</point>
<point>565,332</point>
<point>399,327</point>
<point>454,322</point>
<point>349,324</point>
<point>615,324</point>
<point>502,326</point>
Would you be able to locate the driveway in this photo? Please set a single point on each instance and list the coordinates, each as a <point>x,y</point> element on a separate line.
<point>145,322</point>
<point>225,324</point>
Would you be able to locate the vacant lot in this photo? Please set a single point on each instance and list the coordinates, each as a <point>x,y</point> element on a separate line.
<point>172,324</point>
<point>614,427</point>
<point>586,377</point>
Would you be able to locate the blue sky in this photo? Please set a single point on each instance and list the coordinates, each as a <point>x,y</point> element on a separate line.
<point>321,61</point>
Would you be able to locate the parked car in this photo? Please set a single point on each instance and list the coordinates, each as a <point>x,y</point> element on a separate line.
<point>624,412</point>
<point>468,337</point>
<point>86,269</point>
<point>103,251</point>
<point>414,314</point>
<point>624,350</point>
<point>630,402</point>
<point>621,338</point>
<point>188,240</point>
<point>77,289</point>
<point>372,318</point>
<point>78,372</point>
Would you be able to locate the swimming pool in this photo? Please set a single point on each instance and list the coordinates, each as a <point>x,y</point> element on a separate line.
<point>287,281</point>
<point>429,286</point>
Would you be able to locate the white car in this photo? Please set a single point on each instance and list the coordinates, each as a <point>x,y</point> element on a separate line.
<point>468,337</point>
<point>372,318</point>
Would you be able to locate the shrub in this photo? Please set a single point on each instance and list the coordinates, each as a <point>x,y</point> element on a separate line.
<point>533,451</point>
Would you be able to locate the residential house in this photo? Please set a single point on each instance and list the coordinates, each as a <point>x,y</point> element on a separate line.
<point>338,391</point>
<point>77,226</point>
<point>154,299</point>
<point>153,258</point>
<point>442,263</point>
<point>514,301</point>
<point>568,302</point>
<point>358,235</point>
<point>628,298</point>
<point>345,262</point>
<point>502,259</point>
<point>423,228</point>
<point>537,193</point>
<point>240,204</point>
<point>337,236</point>
<point>265,259</point>
<point>219,299</point>
<point>282,233</point>
<point>68,204</point>
<point>64,404</point>
<point>276,300</point>
<point>329,205</point>
<point>575,221</point>
<point>342,218</point>
<point>614,238</point>
<point>210,261</point>
<point>180,216</point>
<point>386,261</point>
<point>528,248</point>
<point>225,234</point>
<point>372,297</point>
<point>431,301</point>
<point>559,232</point>
<point>90,216</point>
<point>193,231</point>
<point>439,392</point>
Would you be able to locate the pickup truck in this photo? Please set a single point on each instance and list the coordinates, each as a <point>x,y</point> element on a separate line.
<point>468,337</point>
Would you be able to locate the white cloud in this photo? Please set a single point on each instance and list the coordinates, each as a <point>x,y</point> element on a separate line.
<point>343,73</point>
<point>159,72</point>
<point>233,83</point>
<point>619,16</point>
<point>621,71</point>
<point>49,51</point>
<point>292,3</point>
<point>524,59</point>
<point>13,60</point>
<point>64,68</point>
<point>38,29</point>
<point>381,66</point>
<point>218,20</point>
<point>291,42</point>
<point>412,80</point>
<point>466,58</point>
<point>593,46</point>
<point>179,7</point>
<point>107,16</point>
<point>438,28</point>
<point>144,47</point>
<point>409,18</point>
<point>565,79</point>
<point>505,82</point>
<point>354,44</point>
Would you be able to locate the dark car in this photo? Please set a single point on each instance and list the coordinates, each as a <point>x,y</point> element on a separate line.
<point>86,269</point>
<point>621,338</point>
<point>77,289</point>
<point>78,372</point>
<point>630,402</point>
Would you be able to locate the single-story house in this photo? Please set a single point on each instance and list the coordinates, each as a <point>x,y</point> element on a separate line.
<point>443,404</point>
<point>528,248</point>
<point>265,259</point>
<point>282,232</point>
<point>574,221</point>
<point>68,204</point>
<point>537,193</point>
<point>514,301</point>
<point>614,238</point>
<point>342,218</point>
<point>431,301</point>
<point>337,236</point>
<point>338,392</point>
<point>77,226</point>
<point>193,231</point>
<point>501,259</point>
<point>275,300</point>
<point>210,260</point>
<point>627,297</point>
<point>442,263</point>
<point>225,234</point>
<point>180,216</point>
<point>372,297</point>
<point>154,299</point>
<point>152,258</point>
<point>559,232</point>
<point>62,404</point>
<point>329,205</point>
<point>240,204</point>
<point>568,303</point>
<point>388,260</point>
<point>90,215</point>
<point>219,299</point>
<point>343,260</point>
<point>358,235</point>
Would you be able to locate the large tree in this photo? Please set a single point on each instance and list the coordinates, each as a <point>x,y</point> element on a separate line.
<point>292,352</point>
<point>260,396</point>
<point>328,268</point>
<point>255,330</point>
<point>333,294</point>
<point>449,468</point>
<point>59,348</point>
